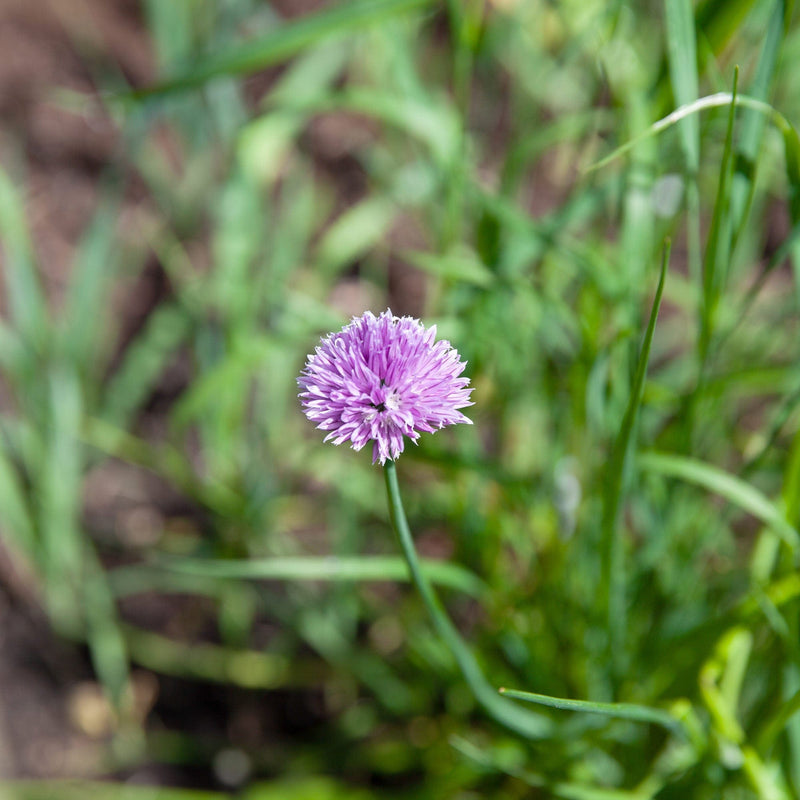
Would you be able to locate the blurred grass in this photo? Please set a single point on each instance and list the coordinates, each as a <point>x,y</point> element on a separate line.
<point>509,170</point>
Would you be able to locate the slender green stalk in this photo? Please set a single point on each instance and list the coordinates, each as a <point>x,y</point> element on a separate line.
<point>631,711</point>
<point>613,557</point>
<point>506,713</point>
<point>178,572</point>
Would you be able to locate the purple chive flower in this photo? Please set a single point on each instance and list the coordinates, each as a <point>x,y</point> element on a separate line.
<point>382,378</point>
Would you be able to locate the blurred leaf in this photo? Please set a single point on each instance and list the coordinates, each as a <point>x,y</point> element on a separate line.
<point>752,124</point>
<point>17,522</point>
<point>736,491</point>
<point>631,711</point>
<point>305,788</point>
<point>354,233</point>
<point>60,498</point>
<point>613,554</point>
<point>96,790</point>
<point>286,40</point>
<point>307,568</point>
<point>716,101</point>
<point>716,263</point>
<point>86,312</point>
<point>144,361</point>
<point>236,246</point>
<point>26,300</point>
<point>461,265</point>
<point>227,379</point>
<point>105,637</point>
<point>265,142</point>
<point>679,16</point>
<point>251,669</point>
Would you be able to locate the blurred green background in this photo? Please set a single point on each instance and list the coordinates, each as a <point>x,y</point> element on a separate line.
<point>198,599</point>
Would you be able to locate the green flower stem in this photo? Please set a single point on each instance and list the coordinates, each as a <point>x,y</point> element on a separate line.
<point>514,717</point>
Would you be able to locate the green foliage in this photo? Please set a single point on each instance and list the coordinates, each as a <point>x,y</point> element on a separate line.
<point>509,170</point>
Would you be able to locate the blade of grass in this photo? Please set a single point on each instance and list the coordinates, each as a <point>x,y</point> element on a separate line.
<point>25,297</point>
<point>165,461</point>
<point>354,233</point>
<point>752,124</point>
<point>283,42</point>
<point>103,632</point>
<point>718,100</point>
<point>459,265</point>
<point>613,566</point>
<point>682,49</point>
<point>568,790</point>
<point>434,123</point>
<point>720,19</point>
<point>209,662</point>
<point>631,711</point>
<point>718,243</point>
<point>59,491</point>
<point>17,520</point>
<point>681,46</point>
<point>143,362</point>
<point>736,491</point>
<point>775,727</point>
<point>75,789</point>
<point>302,568</point>
<point>93,268</point>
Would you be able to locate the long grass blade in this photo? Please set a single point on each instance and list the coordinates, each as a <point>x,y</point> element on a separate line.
<point>718,100</point>
<point>716,261</point>
<point>143,362</point>
<point>25,296</point>
<point>752,123</point>
<point>301,568</point>
<point>681,46</point>
<point>93,269</point>
<point>285,41</point>
<point>682,49</point>
<point>613,560</point>
<point>715,480</point>
<point>631,711</point>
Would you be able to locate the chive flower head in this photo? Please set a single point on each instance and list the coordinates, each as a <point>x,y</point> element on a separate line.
<point>380,379</point>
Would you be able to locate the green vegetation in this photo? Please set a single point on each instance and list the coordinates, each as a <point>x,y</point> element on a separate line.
<point>620,524</point>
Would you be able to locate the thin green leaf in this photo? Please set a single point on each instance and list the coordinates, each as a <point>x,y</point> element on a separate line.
<point>736,491</point>
<point>93,268</point>
<point>569,790</point>
<point>716,261</point>
<point>301,568</point>
<point>354,233</point>
<point>752,123</point>
<point>60,492</point>
<point>16,515</point>
<point>791,141</point>
<point>458,265</point>
<point>26,300</point>
<point>719,20</point>
<point>681,46</point>
<point>631,711</point>
<point>144,361</point>
<point>682,49</point>
<point>104,634</point>
<point>95,790</point>
<point>285,41</point>
<point>775,726</point>
<point>613,563</point>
